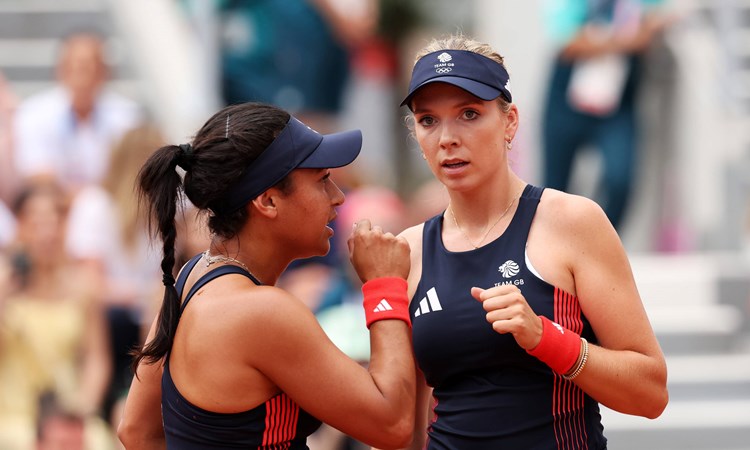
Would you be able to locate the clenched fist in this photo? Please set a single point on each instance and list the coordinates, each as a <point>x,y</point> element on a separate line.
<point>375,254</point>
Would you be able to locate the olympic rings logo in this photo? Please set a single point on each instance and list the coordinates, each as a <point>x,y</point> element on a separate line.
<point>443,69</point>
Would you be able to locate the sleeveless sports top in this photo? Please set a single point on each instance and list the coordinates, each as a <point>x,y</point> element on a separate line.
<point>275,425</point>
<point>489,393</point>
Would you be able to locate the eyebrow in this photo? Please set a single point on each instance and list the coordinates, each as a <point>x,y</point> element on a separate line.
<point>460,105</point>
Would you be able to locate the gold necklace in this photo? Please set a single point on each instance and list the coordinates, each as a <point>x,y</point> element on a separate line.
<point>466,236</point>
<point>224,259</point>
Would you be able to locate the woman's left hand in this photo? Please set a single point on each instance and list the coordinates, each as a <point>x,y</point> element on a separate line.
<point>508,312</point>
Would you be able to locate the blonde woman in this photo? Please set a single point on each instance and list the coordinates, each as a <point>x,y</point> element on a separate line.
<point>524,310</point>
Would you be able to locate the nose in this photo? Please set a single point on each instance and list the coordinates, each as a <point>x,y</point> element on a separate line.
<point>336,195</point>
<point>448,136</point>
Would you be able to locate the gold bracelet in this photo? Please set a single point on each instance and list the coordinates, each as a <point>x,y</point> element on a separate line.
<point>582,363</point>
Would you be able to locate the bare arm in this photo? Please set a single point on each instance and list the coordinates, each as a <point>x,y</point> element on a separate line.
<point>627,371</point>
<point>423,414</point>
<point>141,424</point>
<point>424,401</point>
<point>374,405</point>
<point>593,40</point>
<point>351,25</point>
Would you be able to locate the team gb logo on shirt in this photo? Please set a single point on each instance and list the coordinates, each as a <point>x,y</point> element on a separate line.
<point>509,269</point>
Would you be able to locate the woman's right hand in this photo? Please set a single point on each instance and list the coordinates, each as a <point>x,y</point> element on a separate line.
<point>375,254</point>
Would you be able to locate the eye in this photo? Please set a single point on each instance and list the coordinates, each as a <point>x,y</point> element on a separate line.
<point>470,114</point>
<point>426,121</point>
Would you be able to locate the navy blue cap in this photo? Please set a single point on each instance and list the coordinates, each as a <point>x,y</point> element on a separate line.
<point>296,147</point>
<point>472,72</point>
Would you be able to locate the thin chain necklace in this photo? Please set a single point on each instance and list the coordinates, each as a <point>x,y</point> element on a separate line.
<point>466,236</point>
<point>224,259</point>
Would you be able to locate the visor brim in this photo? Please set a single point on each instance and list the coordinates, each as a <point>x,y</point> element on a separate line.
<point>335,150</point>
<point>475,88</point>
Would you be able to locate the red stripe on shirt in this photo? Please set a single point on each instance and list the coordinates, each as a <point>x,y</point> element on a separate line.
<point>567,398</point>
<point>282,415</point>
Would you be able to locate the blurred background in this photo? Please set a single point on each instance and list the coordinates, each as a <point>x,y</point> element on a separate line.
<point>88,88</point>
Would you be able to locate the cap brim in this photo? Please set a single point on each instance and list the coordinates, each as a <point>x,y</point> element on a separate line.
<point>475,88</point>
<point>335,150</point>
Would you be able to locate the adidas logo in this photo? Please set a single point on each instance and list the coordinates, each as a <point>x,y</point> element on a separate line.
<point>429,304</point>
<point>383,306</point>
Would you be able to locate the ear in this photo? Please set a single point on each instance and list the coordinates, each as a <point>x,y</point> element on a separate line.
<point>266,203</point>
<point>512,123</point>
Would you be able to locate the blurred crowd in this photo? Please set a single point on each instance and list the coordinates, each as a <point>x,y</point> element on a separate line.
<point>79,279</point>
<point>76,264</point>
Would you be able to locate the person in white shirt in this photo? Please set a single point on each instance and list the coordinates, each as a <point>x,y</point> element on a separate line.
<point>66,132</point>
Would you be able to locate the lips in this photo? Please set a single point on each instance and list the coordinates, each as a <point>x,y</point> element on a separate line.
<point>454,163</point>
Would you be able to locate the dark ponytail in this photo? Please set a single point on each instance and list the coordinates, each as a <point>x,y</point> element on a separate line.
<point>159,190</point>
<point>220,152</point>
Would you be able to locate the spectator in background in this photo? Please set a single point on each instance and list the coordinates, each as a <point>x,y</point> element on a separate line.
<point>296,55</point>
<point>7,226</point>
<point>293,54</point>
<point>57,428</point>
<point>104,233</point>
<point>591,97</point>
<point>8,103</point>
<point>52,332</point>
<point>66,133</point>
<point>7,174</point>
<point>7,231</point>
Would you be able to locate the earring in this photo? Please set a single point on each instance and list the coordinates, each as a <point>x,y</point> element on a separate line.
<point>424,157</point>
<point>508,145</point>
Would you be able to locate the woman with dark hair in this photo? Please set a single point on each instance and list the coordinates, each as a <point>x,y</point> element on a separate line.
<point>234,360</point>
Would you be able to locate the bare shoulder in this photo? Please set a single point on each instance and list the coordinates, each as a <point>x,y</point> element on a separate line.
<point>240,311</point>
<point>574,222</point>
<point>269,306</point>
<point>413,236</point>
<point>569,234</point>
<point>570,214</point>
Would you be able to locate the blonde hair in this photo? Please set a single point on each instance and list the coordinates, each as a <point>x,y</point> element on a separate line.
<point>461,42</point>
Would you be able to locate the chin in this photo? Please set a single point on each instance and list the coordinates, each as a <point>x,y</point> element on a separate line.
<point>319,251</point>
<point>327,248</point>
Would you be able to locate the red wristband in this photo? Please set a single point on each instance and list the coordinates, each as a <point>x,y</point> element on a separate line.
<point>559,347</point>
<point>385,298</point>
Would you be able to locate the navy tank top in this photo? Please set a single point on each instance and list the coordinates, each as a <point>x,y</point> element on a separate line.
<point>277,424</point>
<point>489,393</point>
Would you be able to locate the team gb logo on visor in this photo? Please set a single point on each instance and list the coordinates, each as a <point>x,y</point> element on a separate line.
<point>445,65</point>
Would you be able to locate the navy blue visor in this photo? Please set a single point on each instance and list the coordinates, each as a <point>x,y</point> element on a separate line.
<point>472,72</point>
<point>296,147</point>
